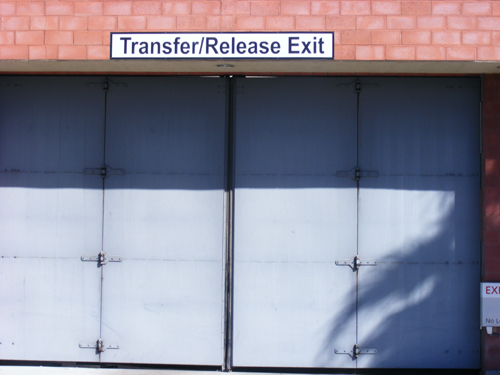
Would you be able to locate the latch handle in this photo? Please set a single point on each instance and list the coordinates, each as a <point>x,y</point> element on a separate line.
<point>356,263</point>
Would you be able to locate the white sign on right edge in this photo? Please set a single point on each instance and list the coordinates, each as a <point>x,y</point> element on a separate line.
<point>490,304</point>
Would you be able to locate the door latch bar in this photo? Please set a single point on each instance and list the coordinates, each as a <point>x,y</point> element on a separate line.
<point>100,346</point>
<point>102,258</point>
<point>355,263</point>
<point>356,351</point>
<point>356,173</point>
<point>104,171</point>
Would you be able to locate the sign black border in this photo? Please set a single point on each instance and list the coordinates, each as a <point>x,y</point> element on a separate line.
<point>221,58</point>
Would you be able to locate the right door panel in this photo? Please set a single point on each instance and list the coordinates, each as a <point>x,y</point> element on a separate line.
<point>420,221</point>
<point>293,219</point>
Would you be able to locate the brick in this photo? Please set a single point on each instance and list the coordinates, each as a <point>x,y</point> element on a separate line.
<point>355,37</point>
<point>72,23</point>
<point>59,8</point>
<point>476,37</point>
<point>488,23</point>
<point>488,53</point>
<point>490,121</point>
<point>30,8</point>
<point>431,53</point>
<point>250,23</point>
<point>495,37</point>
<point>98,53</point>
<point>52,52</point>
<point>106,38</point>
<point>370,23</point>
<point>280,23</point>
<point>37,53</point>
<point>476,8</point>
<point>416,7</point>
<point>462,53</point>
<point>490,94</point>
<point>146,7</point>
<point>58,37</point>
<point>132,23</point>
<point>205,7</point>
<point>386,7</point>
<point>355,7</point>
<point>495,9</point>
<point>370,53</point>
<point>44,23</point>
<point>340,22</point>
<point>386,37</point>
<point>431,23</point>
<point>14,52</point>
<point>191,22</point>
<point>491,137</point>
<point>400,53</point>
<point>462,23</point>
<point>72,53</point>
<point>90,8</point>
<point>446,7</point>
<point>491,194</point>
<point>102,23</point>
<point>310,22</point>
<point>491,166</point>
<point>491,151</point>
<point>446,37</point>
<point>491,208</point>
<point>6,37</point>
<point>15,23</point>
<point>228,22</point>
<point>325,7</point>
<point>295,7</point>
<point>491,108</point>
<point>401,22</point>
<point>345,53</point>
<point>265,8</point>
<point>117,8</point>
<point>176,7</point>
<point>491,222</point>
<point>87,37</point>
<point>7,9</point>
<point>416,37</point>
<point>161,23</point>
<point>235,7</point>
<point>491,80</point>
<point>491,237</point>
<point>213,22</point>
<point>29,37</point>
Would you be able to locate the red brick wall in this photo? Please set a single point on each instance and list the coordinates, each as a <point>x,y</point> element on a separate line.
<point>491,201</point>
<point>364,30</point>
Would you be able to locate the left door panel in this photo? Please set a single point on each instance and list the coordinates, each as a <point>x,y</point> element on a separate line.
<point>51,129</point>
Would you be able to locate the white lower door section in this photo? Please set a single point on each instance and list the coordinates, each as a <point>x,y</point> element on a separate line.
<point>163,303</point>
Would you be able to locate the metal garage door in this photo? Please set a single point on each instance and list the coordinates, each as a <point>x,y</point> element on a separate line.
<point>155,214</point>
<point>356,221</point>
<point>382,169</point>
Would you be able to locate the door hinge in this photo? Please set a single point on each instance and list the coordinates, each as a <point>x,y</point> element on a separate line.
<point>100,346</point>
<point>356,173</point>
<point>104,171</point>
<point>102,258</point>
<point>356,351</point>
<point>355,263</point>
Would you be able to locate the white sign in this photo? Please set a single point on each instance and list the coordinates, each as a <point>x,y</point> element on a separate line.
<point>490,305</point>
<point>222,45</point>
